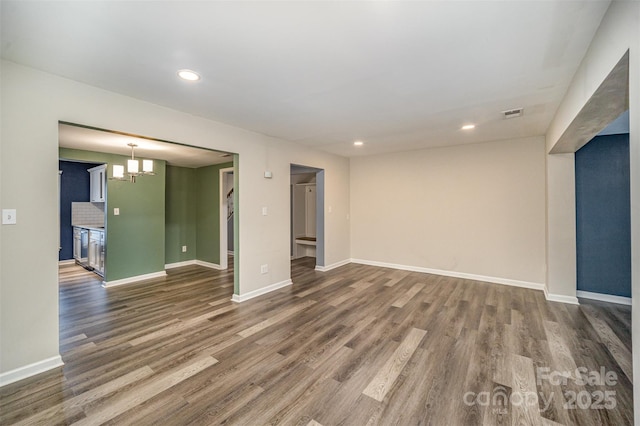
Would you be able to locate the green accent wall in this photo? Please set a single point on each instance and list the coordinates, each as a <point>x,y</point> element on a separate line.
<point>193,213</point>
<point>136,238</point>
<point>208,213</point>
<point>180,214</point>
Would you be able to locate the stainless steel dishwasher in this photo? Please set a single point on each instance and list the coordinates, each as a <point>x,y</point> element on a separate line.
<point>81,245</point>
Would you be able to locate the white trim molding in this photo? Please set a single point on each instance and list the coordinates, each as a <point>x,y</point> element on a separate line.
<point>130,280</point>
<point>193,262</point>
<point>494,280</point>
<point>333,265</point>
<point>239,298</point>
<point>604,297</point>
<point>180,264</point>
<point>30,370</point>
<point>208,265</point>
<point>561,298</point>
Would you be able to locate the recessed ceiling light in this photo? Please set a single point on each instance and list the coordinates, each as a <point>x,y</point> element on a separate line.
<point>188,75</point>
<point>358,143</point>
<point>468,126</point>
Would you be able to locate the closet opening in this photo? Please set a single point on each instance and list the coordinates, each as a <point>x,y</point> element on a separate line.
<point>307,216</point>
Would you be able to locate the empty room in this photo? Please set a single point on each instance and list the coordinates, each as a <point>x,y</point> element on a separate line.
<point>320,213</point>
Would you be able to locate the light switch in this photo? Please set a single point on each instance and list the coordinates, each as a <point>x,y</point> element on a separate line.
<point>264,211</point>
<point>8,216</point>
<point>116,211</point>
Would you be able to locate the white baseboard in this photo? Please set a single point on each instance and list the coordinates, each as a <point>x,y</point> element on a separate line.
<point>180,264</point>
<point>230,253</point>
<point>66,262</point>
<point>159,274</point>
<point>495,280</point>
<point>208,264</point>
<point>604,297</point>
<point>560,298</point>
<point>193,262</point>
<point>259,292</point>
<point>30,370</point>
<point>333,265</point>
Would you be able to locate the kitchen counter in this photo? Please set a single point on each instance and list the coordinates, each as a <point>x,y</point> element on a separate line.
<point>90,227</point>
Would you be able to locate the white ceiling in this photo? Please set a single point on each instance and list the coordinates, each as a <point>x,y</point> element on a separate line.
<point>114,143</point>
<point>397,75</point>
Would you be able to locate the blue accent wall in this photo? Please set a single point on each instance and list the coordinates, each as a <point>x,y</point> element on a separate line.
<point>603,216</point>
<point>74,187</point>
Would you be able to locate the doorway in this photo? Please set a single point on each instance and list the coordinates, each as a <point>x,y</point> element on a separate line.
<point>307,215</point>
<point>152,222</point>
<point>227,216</point>
<point>603,215</point>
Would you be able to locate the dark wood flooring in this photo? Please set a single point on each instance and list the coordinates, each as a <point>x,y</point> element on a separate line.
<point>357,345</point>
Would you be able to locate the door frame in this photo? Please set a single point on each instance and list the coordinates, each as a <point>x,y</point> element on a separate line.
<point>224,246</point>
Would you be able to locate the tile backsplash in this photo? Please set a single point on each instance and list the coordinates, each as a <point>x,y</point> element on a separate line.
<point>88,214</point>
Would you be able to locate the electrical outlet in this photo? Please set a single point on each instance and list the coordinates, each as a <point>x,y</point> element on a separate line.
<point>116,211</point>
<point>184,249</point>
<point>264,269</point>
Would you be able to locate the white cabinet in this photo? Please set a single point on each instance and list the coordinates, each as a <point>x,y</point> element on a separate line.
<point>98,184</point>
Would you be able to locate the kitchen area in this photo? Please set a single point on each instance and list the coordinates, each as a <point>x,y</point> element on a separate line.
<point>125,213</point>
<point>82,215</point>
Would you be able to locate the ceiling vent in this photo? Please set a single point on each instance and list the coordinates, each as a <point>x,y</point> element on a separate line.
<point>513,113</point>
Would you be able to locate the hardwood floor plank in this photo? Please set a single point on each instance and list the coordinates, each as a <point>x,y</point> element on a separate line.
<point>131,398</point>
<point>319,287</point>
<point>400,302</point>
<point>385,378</point>
<point>74,406</point>
<point>618,349</point>
<point>525,410</point>
<point>159,410</point>
<point>73,339</point>
<point>560,352</point>
<point>275,319</point>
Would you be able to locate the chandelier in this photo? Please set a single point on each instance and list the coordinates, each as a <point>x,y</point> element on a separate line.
<point>133,167</point>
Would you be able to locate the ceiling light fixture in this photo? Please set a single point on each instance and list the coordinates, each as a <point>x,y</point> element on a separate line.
<point>188,75</point>
<point>358,143</point>
<point>133,167</point>
<point>468,126</point>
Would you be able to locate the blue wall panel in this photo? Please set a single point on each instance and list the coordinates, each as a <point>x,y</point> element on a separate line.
<point>74,187</point>
<point>603,216</point>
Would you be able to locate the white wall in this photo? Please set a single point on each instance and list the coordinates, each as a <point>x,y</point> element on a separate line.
<point>619,31</point>
<point>472,209</point>
<point>32,104</point>
<point>561,277</point>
